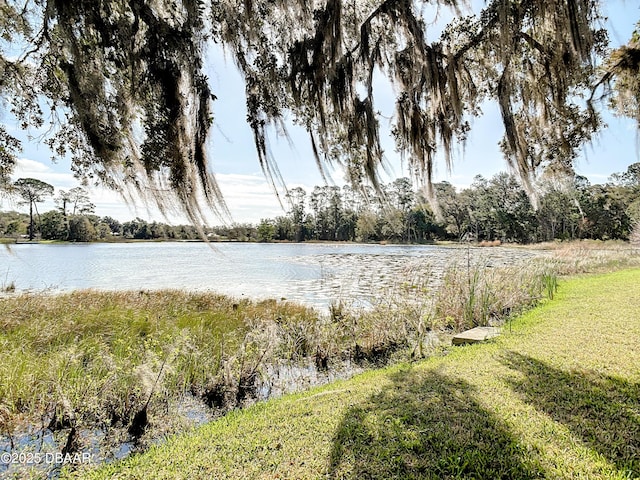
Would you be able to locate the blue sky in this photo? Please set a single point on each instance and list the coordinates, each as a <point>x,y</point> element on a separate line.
<point>249,196</point>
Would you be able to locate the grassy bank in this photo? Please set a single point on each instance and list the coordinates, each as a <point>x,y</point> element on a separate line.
<point>558,397</point>
<point>122,362</point>
<point>88,359</point>
<point>121,370</point>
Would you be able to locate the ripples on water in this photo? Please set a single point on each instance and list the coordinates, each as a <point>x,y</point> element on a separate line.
<point>315,274</point>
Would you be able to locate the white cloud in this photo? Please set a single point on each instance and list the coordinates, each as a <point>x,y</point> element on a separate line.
<point>251,197</point>
<point>248,198</point>
<point>596,178</point>
<point>27,168</point>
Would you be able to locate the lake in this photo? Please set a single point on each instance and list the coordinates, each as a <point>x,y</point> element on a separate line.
<point>312,273</point>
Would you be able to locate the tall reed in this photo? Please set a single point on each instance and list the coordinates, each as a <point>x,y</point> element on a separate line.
<point>480,295</point>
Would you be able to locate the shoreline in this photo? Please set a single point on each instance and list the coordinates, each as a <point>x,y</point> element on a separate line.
<point>499,410</point>
<point>438,243</point>
<point>90,330</point>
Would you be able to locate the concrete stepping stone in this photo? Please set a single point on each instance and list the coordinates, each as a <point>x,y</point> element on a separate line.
<point>475,335</point>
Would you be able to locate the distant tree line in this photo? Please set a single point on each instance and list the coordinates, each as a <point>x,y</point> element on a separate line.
<point>490,209</point>
<point>88,228</point>
<point>74,220</point>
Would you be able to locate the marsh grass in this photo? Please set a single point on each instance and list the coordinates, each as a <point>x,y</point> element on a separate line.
<point>558,398</point>
<point>475,294</point>
<point>121,361</point>
<point>590,256</point>
<point>479,295</point>
<point>118,360</point>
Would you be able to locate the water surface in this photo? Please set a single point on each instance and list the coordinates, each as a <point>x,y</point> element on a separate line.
<point>315,274</point>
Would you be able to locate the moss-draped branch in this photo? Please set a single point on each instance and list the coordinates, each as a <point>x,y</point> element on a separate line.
<point>138,105</point>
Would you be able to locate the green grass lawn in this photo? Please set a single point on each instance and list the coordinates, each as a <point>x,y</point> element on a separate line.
<point>557,397</point>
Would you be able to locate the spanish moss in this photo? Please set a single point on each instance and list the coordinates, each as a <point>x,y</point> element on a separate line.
<point>125,80</point>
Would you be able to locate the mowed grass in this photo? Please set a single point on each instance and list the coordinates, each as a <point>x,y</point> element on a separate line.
<point>556,397</point>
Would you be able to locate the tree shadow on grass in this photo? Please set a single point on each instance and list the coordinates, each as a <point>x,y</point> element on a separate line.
<point>603,411</point>
<point>427,426</point>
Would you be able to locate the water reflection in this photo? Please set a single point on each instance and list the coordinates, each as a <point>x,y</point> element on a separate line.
<point>314,274</point>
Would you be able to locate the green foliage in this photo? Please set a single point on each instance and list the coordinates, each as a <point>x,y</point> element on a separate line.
<point>13,223</point>
<point>32,191</point>
<point>53,226</point>
<point>81,229</point>
<point>557,398</point>
<point>490,209</point>
<point>266,230</point>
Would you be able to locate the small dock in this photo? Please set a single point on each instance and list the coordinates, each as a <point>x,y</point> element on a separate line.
<point>475,335</point>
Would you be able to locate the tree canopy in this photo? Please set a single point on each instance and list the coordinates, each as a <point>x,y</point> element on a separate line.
<point>126,85</point>
<point>32,191</point>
